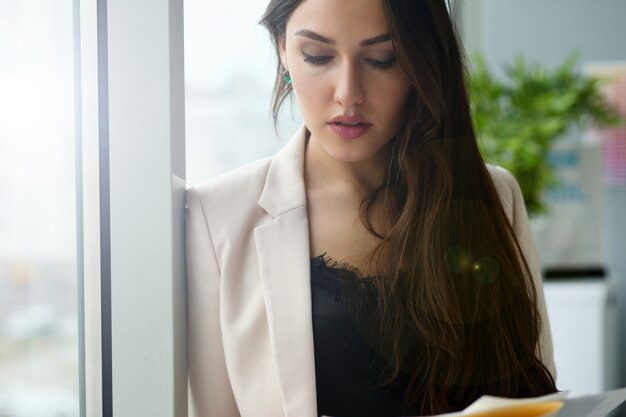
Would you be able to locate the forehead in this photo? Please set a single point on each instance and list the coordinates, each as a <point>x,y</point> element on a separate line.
<point>343,20</point>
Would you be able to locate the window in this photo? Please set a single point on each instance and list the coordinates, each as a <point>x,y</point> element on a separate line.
<point>230,66</point>
<point>39,362</point>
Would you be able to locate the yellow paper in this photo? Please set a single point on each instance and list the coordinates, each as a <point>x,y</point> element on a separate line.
<point>540,409</point>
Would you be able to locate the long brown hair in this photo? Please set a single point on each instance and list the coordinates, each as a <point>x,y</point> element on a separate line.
<point>458,308</point>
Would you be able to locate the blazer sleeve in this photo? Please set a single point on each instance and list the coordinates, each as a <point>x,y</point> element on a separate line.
<point>210,392</point>
<point>521,226</point>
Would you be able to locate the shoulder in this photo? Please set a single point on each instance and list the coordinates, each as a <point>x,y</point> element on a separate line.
<point>245,182</point>
<point>233,195</point>
<point>502,178</point>
<point>508,189</point>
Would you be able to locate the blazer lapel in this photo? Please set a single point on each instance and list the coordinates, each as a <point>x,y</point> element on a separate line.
<point>284,263</point>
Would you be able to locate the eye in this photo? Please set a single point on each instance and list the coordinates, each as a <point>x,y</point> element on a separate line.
<point>317,59</point>
<point>388,63</point>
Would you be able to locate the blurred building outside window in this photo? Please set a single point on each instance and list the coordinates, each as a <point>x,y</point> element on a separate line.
<point>38,300</point>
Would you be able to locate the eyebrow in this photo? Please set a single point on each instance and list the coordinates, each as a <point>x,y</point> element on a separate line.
<point>367,42</point>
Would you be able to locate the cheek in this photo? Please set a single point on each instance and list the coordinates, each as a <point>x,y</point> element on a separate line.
<point>392,95</point>
<point>311,92</point>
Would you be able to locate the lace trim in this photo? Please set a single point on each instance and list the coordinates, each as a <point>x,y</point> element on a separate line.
<point>344,281</point>
<point>358,295</point>
<point>341,267</point>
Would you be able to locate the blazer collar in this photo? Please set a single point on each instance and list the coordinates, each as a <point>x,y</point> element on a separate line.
<point>284,184</point>
<point>282,245</point>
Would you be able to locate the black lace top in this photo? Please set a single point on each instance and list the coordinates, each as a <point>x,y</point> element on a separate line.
<point>348,369</point>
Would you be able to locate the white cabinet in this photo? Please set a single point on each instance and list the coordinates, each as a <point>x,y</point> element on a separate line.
<point>583,318</point>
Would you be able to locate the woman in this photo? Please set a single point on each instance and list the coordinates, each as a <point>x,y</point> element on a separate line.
<point>375,266</point>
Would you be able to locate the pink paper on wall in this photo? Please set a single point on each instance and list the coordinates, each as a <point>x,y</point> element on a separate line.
<point>613,140</point>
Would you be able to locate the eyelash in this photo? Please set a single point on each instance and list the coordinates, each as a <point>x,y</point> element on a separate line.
<point>323,59</point>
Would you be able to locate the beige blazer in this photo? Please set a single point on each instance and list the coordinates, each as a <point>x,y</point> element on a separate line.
<point>249,294</point>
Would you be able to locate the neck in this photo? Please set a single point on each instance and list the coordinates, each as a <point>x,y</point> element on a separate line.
<point>355,179</point>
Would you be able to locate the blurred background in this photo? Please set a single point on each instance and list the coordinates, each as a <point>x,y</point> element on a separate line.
<point>38,300</point>
<point>229,69</point>
<point>581,232</point>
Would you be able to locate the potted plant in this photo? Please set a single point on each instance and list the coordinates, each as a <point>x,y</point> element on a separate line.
<point>519,118</point>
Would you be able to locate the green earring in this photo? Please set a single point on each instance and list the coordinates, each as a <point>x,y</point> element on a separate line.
<point>287,77</point>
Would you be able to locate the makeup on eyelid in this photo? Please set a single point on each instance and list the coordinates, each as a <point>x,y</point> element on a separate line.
<point>323,58</point>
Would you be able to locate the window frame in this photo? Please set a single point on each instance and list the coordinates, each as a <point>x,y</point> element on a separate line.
<point>131,201</point>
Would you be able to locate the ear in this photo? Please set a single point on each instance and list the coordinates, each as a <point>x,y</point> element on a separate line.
<point>282,52</point>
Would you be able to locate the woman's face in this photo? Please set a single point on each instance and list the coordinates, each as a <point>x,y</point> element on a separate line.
<point>348,84</point>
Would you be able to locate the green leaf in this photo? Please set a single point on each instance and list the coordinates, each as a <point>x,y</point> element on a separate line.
<point>518,119</point>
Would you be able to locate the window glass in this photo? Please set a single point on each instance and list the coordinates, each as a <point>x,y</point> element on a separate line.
<point>230,66</point>
<point>38,300</point>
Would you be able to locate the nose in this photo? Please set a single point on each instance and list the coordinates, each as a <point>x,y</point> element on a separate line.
<point>349,90</point>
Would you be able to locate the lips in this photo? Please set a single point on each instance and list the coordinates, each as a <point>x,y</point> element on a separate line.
<point>349,127</point>
<point>350,120</point>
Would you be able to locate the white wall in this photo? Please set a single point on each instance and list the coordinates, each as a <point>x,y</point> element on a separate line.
<point>545,31</point>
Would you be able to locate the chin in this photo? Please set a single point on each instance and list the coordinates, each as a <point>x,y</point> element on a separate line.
<point>351,155</point>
